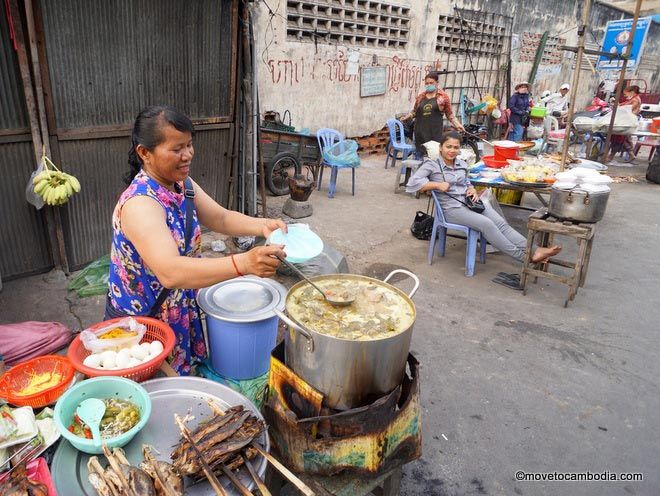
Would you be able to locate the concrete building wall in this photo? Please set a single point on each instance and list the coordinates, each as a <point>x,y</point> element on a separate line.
<point>311,80</point>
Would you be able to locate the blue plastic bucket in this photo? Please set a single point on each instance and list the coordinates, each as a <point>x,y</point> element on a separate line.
<point>241,324</point>
<point>241,350</point>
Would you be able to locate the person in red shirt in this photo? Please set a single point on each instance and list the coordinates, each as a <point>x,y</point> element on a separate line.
<point>431,105</point>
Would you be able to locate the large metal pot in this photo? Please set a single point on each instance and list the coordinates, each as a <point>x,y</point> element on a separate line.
<point>577,205</point>
<point>349,373</point>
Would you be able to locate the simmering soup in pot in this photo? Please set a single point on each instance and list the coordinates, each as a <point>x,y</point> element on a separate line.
<point>376,313</point>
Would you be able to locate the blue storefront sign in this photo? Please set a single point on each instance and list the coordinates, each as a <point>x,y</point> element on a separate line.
<point>616,39</point>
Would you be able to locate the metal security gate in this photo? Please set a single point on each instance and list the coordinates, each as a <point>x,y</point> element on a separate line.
<point>474,50</point>
<point>101,61</point>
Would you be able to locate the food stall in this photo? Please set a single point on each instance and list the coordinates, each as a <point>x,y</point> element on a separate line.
<point>110,418</point>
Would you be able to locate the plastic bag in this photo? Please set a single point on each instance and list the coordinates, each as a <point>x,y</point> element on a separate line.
<point>93,341</point>
<point>342,154</point>
<point>330,261</point>
<point>432,149</point>
<point>93,279</point>
<point>625,122</point>
<point>488,196</point>
<point>30,195</point>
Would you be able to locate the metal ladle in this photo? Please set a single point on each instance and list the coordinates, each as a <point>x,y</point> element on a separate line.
<point>329,298</point>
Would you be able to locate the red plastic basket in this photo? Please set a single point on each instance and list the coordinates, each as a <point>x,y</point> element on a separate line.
<point>156,330</point>
<point>19,377</point>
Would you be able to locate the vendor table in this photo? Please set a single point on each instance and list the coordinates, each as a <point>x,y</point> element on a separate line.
<point>540,222</point>
<point>500,183</point>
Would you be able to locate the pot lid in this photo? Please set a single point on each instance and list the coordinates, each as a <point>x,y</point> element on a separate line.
<point>243,299</point>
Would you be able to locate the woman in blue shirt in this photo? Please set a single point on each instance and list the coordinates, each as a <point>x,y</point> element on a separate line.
<point>519,106</point>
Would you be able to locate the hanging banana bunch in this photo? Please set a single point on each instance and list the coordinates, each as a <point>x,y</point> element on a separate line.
<point>54,186</point>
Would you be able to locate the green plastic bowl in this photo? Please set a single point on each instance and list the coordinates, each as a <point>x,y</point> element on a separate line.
<point>101,387</point>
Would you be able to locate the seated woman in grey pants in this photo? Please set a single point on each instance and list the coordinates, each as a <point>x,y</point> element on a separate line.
<point>450,175</point>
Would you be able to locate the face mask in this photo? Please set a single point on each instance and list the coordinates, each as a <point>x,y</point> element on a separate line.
<point>430,88</point>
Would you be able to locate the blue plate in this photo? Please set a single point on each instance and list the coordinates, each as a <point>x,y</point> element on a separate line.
<point>300,243</point>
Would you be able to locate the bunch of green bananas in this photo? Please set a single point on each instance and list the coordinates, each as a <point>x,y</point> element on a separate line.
<point>55,187</point>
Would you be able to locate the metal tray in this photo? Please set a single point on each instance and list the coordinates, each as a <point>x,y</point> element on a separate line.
<point>529,185</point>
<point>168,396</point>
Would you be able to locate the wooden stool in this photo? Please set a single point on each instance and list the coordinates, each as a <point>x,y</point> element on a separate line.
<point>348,484</point>
<point>540,222</point>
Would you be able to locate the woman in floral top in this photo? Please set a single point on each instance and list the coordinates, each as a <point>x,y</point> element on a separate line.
<point>149,253</point>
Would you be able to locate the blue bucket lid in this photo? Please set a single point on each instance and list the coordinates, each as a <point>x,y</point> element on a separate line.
<point>300,243</point>
<point>242,299</point>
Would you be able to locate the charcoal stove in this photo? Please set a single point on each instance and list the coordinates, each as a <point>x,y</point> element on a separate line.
<point>369,440</point>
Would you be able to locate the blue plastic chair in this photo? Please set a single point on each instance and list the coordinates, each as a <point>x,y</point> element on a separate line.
<point>327,137</point>
<point>440,226</point>
<point>397,142</point>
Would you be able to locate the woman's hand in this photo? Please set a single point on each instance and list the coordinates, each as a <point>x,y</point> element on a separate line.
<point>459,127</point>
<point>260,260</point>
<point>472,193</point>
<point>444,186</point>
<point>271,225</point>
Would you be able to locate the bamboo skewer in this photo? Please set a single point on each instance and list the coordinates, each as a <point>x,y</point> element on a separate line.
<point>164,484</point>
<point>302,487</point>
<point>126,489</point>
<point>239,485</point>
<point>213,480</point>
<point>93,465</point>
<point>257,480</point>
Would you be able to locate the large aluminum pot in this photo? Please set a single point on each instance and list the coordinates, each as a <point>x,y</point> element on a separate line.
<point>349,373</point>
<point>577,205</point>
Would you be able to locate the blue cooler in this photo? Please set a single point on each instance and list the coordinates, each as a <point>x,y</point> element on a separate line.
<point>241,324</point>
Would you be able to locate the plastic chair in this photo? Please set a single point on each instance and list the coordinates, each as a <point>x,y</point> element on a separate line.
<point>397,142</point>
<point>440,226</point>
<point>553,134</point>
<point>327,137</point>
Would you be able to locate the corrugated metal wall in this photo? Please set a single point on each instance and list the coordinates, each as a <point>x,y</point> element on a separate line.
<point>23,243</point>
<point>107,60</point>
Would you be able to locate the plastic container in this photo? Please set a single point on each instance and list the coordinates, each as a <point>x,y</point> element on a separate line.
<point>241,324</point>
<point>19,376</point>
<point>37,470</point>
<point>101,388</point>
<point>156,330</point>
<point>494,163</point>
<point>655,125</point>
<point>538,112</point>
<point>506,152</point>
<point>239,350</point>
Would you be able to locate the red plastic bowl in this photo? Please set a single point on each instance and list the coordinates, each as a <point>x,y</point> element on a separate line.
<point>494,163</point>
<point>156,330</point>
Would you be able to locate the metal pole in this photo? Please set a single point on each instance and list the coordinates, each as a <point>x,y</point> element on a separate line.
<point>622,77</point>
<point>576,79</point>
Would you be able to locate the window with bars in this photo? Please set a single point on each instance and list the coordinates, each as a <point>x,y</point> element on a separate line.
<point>351,22</point>
<point>552,53</point>
<point>456,35</point>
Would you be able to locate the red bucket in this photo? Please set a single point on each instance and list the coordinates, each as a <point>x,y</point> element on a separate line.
<point>503,153</point>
